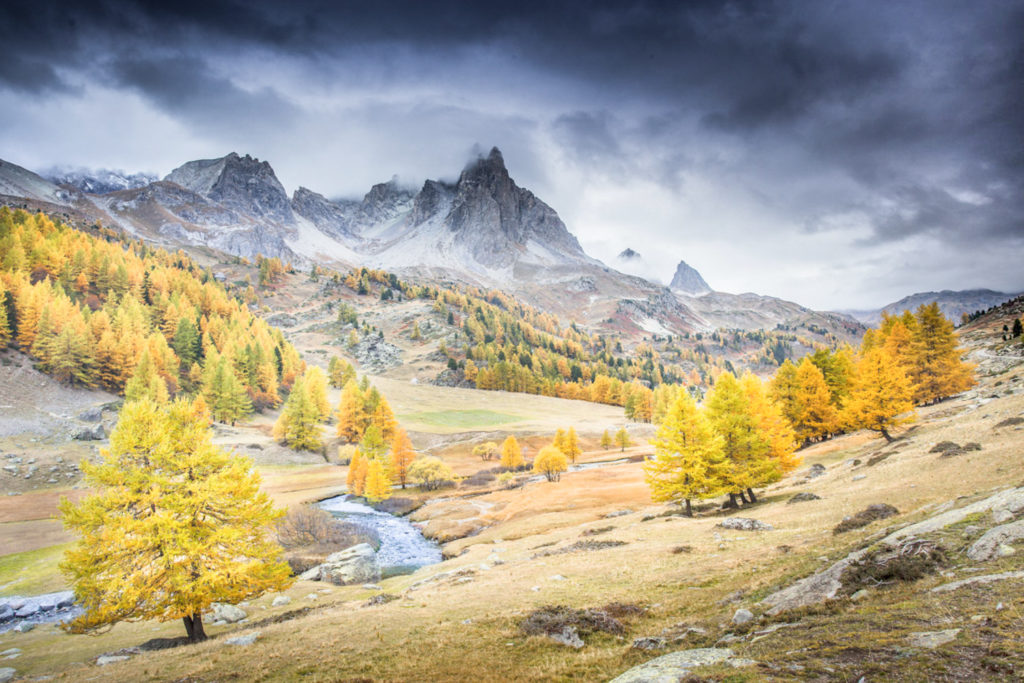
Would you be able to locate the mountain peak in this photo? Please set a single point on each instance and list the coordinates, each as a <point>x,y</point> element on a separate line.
<point>688,281</point>
<point>243,184</point>
<point>628,254</point>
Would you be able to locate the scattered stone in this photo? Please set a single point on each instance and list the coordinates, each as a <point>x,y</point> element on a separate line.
<point>744,524</point>
<point>618,513</point>
<point>7,673</point>
<point>27,611</point>
<point>380,599</point>
<point>556,577</point>
<point>676,666</point>
<point>988,578</point>
<point>858,477</point>
<point>371,587</point>
<point>15,651</point>
<point>817,469</point>
<point>103,660</point>
<point>742,616</point>
<point>803,497</point>
<point>649,643</point>
<point>94,414</point>
<point>24,627</point>
<point>567,636</point>
<point>869,514</point>
<point>860,595</point>
<point>247,639</point>
<point>281,601</point>
<point>989,546</point>
<point>312,596</point>
<point>357,564</point>
<point>229,614</point>
<point>933,639</point>
<point>94,433</point>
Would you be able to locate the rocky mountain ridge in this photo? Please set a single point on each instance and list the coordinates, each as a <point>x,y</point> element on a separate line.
<point>99,181</point>
<point>688,281</point>
<point>952,304</point>
<point>483,230</point>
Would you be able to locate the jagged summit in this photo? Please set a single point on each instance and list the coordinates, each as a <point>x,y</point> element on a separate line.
<point>98,181</point>
<point>244,184</point>
<point>628,254</point>
<point>688,281</point>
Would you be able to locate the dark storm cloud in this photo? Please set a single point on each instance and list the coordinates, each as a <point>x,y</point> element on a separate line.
<point>868,121</point>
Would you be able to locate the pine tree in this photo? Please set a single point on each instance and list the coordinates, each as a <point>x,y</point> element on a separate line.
<point>550,462</point>
<point>689,461</point>
<point>511,453</point>
<point>352,418</point>
<point>746,448</point>
<point>378,485</point>
<point>225,394</point>
<point>572,445</point>
<point>402,455</point>
<point>622,439</point>
<point>882,396</point>
<point>606,440</point>
<point>175,525</point>
<point>298,426</point>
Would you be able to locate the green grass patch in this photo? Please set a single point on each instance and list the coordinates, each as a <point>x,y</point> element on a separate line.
<point>461,418</point>
<point>32,572</point>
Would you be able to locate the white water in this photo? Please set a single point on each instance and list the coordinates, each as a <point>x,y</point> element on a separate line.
<point>402,547</point>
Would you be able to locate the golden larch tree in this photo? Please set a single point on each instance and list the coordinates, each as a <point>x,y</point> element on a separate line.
<point>572,445</point>
<point>882,396</point>
<point>511,453</point>
<point>175,524</point>
<point>378,484</point>
<point>689,461</point>
<point>550,462</point>
<point>402,455</point>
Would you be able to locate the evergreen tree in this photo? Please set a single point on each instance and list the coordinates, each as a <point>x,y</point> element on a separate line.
<point>315,383</point>
<point>145,383</point>
<point>689,461</point>
<point>1017,330</point>
<point>882,396</point>
<point>511,453</point>
<point>372,444</point>
<point>175,525</point>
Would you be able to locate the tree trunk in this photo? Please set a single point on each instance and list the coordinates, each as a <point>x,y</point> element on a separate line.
<point>194,628</point>
<point>885,433</point>
<point>750,494</point>
<point>732,501</point>
<point>743,497</point>
<point>689,510</point>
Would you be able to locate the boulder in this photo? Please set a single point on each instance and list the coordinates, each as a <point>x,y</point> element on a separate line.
<point>6,613</point>
<point>988,547</point>
<point>93,433</point>
<point>228,613</point>
<point>649,643</point>
<point>803,497</point>
<point>742,616</point>
<point>103,660</point>
<point>676,666</point>
<point>988,578</point>
<point>568,636</point>
<point>357,564</point>
<point>281,601</point>
<point>7,673</point>
<point>27,611</point>
<point>94,414</point>
<point>247,639</point>
<point>933,639</point>
<point>817,469</point>
<point>744,524</point>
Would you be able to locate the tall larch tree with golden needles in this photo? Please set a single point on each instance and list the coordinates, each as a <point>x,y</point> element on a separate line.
<point>882,396</point>
<point>175,524</point>
<point>402,455</point>
<point>572,445</point>
<point>511,453</point>
<point>816,414</point>
<point>378,484</point>
<point>352,417</point>
<point>298,425</point>
<point>772,423</point>
<point>689,461</point>
<point>937,370</point>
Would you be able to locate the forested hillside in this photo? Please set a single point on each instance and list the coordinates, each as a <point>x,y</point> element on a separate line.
<point>97,309</point>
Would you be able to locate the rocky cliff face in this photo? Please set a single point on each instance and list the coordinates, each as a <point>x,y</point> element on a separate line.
<point>688,281</point>
<point>101,181</point>
<point>244,184</point>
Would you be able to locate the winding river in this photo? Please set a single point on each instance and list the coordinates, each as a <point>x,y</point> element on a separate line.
<point>403,549</point>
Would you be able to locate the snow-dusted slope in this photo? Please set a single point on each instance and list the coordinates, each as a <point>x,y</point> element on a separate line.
<point>16,181</point>
<point>100,181</point>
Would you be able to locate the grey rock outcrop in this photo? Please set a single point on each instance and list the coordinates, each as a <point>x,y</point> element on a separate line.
<point>744,524</point>
<point>243,184</point>
<point>688,281</point>
<point>229,614</point>
<point>355,565</point>
<point>674,667</point>
<point>988,546</point>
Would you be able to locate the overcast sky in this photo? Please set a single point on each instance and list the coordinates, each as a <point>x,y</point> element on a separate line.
<point>839,154</point>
